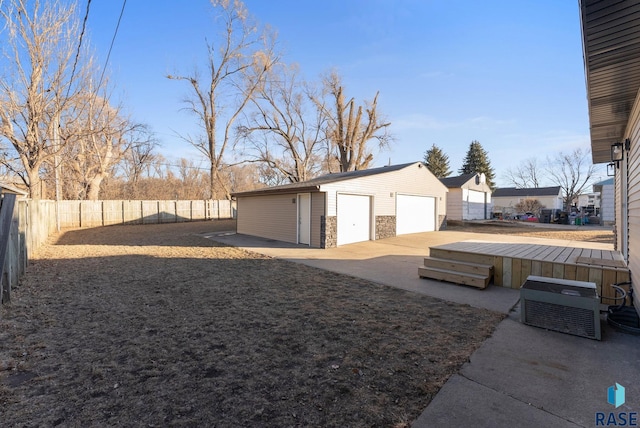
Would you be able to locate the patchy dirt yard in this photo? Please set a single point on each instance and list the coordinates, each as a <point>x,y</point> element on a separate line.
<point>157,326</point>
<point>572,233</point>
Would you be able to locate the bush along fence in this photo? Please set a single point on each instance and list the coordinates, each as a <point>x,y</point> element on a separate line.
<point>26,224</point>
<point>104,213</point>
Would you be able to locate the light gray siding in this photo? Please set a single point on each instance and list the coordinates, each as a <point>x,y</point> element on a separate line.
<point>631,169</point>
<point>413,180</point>
<point>607,205</point>
<point>471,201</point>
<point>454,204</point>
<point>270,216</point>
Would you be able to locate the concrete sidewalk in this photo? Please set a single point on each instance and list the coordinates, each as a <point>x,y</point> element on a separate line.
<point>522,376</point>
<point>529,377</point>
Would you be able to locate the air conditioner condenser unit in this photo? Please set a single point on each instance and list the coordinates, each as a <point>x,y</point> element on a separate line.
<point>562,305</point>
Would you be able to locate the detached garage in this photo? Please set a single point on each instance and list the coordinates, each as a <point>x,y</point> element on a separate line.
<point>343,208</point>
<point>469,197</point>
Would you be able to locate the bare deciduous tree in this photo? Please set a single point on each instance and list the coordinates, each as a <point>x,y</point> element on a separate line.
<point>533,206</point>
<point>93,151</point>
<point>349,130</point>
<point>572,171</point>
<point>236,68</point>
<point>285,132</point>
<point>36,93</point>
<point>138,158</point>
<point>524,175</point>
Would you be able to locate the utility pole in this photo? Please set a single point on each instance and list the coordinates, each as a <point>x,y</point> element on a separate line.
<point>56,165</point>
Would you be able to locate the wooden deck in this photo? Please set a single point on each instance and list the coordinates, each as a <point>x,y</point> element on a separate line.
<point>513,262</point>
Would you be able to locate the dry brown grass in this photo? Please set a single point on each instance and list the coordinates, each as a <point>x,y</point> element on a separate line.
<point>157,326</point>
<point>582,233</point>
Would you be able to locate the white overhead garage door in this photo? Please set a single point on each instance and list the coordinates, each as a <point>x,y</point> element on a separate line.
<point>354,218</point>
<point>415,214</point>
<point>475,205</point>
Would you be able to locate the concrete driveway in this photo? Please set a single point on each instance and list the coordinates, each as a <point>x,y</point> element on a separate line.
<point>395,261</point>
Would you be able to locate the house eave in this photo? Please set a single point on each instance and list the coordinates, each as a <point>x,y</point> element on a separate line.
<point>611,54</point>
<point>277,191</point>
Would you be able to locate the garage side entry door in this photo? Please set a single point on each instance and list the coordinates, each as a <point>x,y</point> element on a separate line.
<point>415,214</point>
<point>354,218</point>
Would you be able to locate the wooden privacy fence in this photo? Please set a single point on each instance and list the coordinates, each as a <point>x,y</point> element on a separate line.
<point>31,223</point>
<point>28,223</point>
<point>104,213</point>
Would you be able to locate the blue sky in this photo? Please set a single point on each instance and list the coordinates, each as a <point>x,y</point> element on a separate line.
<point>509,74</point>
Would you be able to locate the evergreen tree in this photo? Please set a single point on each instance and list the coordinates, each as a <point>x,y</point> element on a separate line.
<point>437,162</point>
<point>477,161</point>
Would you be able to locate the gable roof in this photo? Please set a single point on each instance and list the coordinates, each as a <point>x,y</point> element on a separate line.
<point>314,184</point>
<point>530,192</point>
<point>452,182</point>
<point>10,188</point>
<point>607,182</point>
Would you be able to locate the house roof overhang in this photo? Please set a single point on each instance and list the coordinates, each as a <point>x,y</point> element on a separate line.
<point>611,50</point>
<point>287,189</point>
<point>315,184</point>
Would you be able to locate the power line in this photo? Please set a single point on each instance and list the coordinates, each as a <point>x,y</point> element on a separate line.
<point>75,62</point>
<point>183,166</point>
<point>115,33</point>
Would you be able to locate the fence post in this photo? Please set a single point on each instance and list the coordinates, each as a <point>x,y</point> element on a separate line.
<point>57,215</point>
<point>6,215</point>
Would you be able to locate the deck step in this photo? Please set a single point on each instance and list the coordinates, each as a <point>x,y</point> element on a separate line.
<point>464,278</point>
<point>459,266</point>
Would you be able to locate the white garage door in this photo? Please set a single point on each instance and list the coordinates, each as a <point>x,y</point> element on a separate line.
<point>415,214</point>
<point>475,205</point>
<point>354,218</point>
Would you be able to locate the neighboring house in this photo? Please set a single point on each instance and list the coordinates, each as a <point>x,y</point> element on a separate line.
<point>611,51</point>
<point>6,187</point>
<point>607,197</point>
<point>343,208</point>
<point>506,198</point>
<point>469,197</point>
<point>589,200</point>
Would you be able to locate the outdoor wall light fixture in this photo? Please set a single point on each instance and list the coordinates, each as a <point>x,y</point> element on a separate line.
<point>617,151</point>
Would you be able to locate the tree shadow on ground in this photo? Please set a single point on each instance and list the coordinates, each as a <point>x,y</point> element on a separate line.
<point>222,337</point>
<point>168,234</point>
